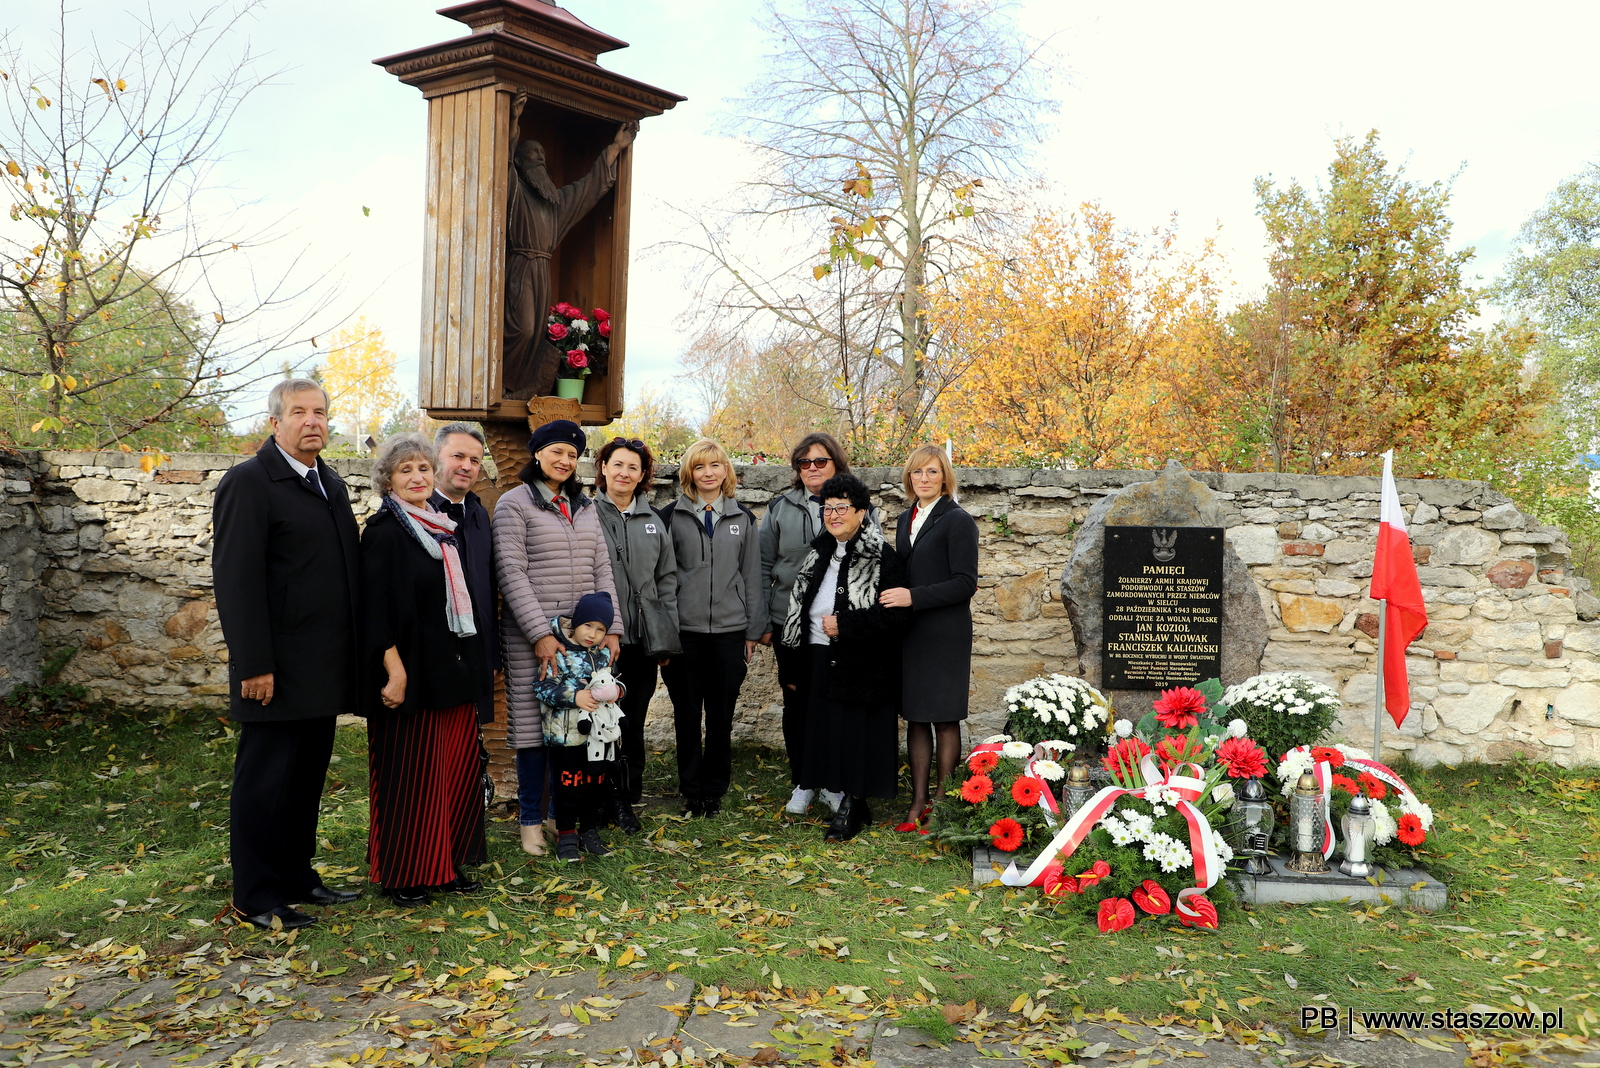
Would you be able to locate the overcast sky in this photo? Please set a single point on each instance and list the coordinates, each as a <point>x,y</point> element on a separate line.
<point>1165,107</point>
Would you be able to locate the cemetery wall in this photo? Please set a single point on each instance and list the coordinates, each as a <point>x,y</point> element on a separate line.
<point>98,555</point>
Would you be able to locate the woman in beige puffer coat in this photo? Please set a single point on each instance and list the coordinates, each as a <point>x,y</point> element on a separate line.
<point>549,551</point>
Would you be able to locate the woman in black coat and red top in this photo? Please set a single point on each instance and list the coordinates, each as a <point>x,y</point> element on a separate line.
<point>851,737</point>
<point>425,670</point>
<point>938,543</point>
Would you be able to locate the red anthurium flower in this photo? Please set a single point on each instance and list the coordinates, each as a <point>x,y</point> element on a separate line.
<point>1099,870</point>
<point>1116,914</point>
<point>1006,834</point>
<point>1151,898</point>
<point>557,331</point>
<point>1051,870</point>
<point>1125,756</point>
<point>984,761</point>
<point>1059,886</point>
<point>1026,790</point>
<point>1410,830</point>
<point>1327,754</point>
<point>1243,758</point>
<point>1347,784</point>
<point>1206,912</point>
<point>1374,786</point>
<point>977,789</point>
<point>1179,709</point>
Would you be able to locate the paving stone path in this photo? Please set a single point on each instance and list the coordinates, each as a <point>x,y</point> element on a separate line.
<point>268,1014</point>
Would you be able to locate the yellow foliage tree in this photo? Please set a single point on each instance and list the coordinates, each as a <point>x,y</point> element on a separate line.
<point>359,378</point>
<point>1069,334</point>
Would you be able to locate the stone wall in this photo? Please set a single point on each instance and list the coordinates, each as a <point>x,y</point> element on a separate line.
<point>97,554</point>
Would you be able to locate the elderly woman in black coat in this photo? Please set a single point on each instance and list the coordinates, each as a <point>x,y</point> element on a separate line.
<point>851,743</point>
<point>938,542</point>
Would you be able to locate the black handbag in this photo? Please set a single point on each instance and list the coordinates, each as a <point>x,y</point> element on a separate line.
<point>658,637</point>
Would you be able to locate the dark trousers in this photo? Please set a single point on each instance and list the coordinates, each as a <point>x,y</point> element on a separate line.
<point>580,784</point>
<point>278,774</point>
<point>794,669</point>
<point>637,673</point>
<point>533,802</point>
<point>704,682</point>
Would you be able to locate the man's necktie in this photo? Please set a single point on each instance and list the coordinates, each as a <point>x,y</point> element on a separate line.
<point>561,503</point>
<point>711,522</point>
<point>315,483</point>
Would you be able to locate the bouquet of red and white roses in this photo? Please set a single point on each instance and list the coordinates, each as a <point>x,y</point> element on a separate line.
<point>585,339</point>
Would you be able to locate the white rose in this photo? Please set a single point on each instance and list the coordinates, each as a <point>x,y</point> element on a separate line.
<point>1237,728</point>
<point>1124,728</point>
<point>1222,794</point>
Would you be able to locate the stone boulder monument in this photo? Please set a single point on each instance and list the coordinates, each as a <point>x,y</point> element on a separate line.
<point>1157,597</point>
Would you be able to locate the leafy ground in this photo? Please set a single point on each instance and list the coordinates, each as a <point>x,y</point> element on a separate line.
<point>113,827</point>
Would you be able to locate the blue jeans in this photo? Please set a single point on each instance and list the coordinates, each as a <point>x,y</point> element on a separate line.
<point>534,800</point>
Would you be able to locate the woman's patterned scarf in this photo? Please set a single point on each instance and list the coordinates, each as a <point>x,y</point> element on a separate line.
<point>435,532</point>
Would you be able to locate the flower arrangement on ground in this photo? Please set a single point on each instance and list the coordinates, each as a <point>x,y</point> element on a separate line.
<point>585,339</point>
<point>1343,771</point>
<point>1284,709</point>
<point>1005,799</point>
<point>1059,712</point>
<point>1151,844</point>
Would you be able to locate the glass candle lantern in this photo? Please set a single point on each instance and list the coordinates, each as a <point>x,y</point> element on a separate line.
<point>1307,829</point>
<point>1360,828</point>
<point>1250,827</point>
<point>1078,789</point>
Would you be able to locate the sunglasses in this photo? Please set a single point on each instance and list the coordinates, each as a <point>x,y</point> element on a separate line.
<point>818,462</point>
<point>629,443</point>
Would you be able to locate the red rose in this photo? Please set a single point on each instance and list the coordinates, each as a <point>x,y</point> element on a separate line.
<point>1326,754</point>
<point>601,315</point>
<point>1243,758</point>
<point>1205,913</point>
<point>1179,709</point>
<point>1125,756</point>
<point>1374,786</point>
<point>1347,784</point>
<point>1026,790</point>
<point>604,328</point>
<point>1410,829</point>
<point>1152,898</point>
<point>1006,834</point>
<point>977,789</point>
<point>557,331</point>
<point>568,310</point>
<point>983,762</point>
<point>1116,914</point>
<point>1099,870</point>
<point>577,358</point>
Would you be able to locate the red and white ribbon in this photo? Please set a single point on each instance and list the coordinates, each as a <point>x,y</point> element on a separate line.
<point>1323,772</point>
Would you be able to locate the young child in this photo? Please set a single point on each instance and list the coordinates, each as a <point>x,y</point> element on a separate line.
<point>573,711</point>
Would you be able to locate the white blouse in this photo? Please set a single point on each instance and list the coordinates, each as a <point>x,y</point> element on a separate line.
<point>922,517</point>
<point>822,603</point>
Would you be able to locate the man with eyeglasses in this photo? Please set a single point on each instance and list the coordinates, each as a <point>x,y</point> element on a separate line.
<point>792,522</point>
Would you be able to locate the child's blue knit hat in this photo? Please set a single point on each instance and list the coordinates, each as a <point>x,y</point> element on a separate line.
<point>594,608</point>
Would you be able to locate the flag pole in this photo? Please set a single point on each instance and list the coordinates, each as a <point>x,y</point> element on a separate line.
<point>1381,698</point>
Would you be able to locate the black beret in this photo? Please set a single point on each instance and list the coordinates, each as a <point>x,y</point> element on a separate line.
<point>557,431</point>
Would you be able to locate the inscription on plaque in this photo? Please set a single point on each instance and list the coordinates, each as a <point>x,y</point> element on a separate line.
<point>1163,607</point>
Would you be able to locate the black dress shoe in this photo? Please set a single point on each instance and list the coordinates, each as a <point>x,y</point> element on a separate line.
<point>322,895</point>
<point>711,808</point>
<point>461,885</point>
<point>853,814</point>
<point>290,919</point>
<point>693,806</point>
<point>408,896</point>
<point>627,822</point>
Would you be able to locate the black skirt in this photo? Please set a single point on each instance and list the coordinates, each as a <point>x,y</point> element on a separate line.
<point>852,748</point>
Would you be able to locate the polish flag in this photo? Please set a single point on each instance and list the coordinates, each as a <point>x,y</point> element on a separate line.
<point>1395,582</point>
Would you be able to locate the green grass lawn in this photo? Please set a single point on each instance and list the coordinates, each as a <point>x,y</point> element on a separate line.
<point>116,828</point>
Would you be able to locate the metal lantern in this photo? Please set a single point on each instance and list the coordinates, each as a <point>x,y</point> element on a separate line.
<point>1359,830</point>
<point>1078,789</point>
<point>1250,826</point>
<point>1307,829</point>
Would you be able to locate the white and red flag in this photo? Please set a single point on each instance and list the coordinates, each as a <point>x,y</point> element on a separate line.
<point>1395,582</point>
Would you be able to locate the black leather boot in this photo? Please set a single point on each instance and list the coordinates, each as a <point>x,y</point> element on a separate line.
<point>627,821</point>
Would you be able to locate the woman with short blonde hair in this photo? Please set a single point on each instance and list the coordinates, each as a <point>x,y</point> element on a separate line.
<point>938,542</point>
<point>722,613</point>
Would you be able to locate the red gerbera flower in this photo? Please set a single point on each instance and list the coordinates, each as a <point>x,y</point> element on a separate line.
<point>1026,790</point>
<point>1374,786</point>
<point>1178,749</point>
<point>983,762</point>
<point>1347,784</point>
<point>1410,829</point>
<point>1116,914</point>
<point>1243,758</point>
<point>977,789</point>
<point>1006,834</point>
<point>1327,754</point>
<point>1125,756</point>
<point>1179,709</point>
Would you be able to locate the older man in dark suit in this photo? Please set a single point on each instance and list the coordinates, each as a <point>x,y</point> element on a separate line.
<point>285,567</point>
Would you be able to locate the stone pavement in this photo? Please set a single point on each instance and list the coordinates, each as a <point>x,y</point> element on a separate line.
<point>254,1013</point>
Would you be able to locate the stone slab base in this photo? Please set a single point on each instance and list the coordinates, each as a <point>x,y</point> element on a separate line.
<point>1407,887</point>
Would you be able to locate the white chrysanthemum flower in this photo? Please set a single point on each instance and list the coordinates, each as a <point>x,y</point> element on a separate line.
<point>1222,793</point>
<point>1016,750</point>
<point>1224,850</point>
<point>1386,826</point>
<point>1411,805</point>
<point>1048,770</point>
<point>1237,728</point>
<point>995,739</point>
<point>1158,811</point>
<point>1124,728</point>
<point>580,325</point>
<point>1072,728</point>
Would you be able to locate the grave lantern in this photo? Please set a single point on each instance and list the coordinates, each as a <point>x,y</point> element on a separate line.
<point>1078,790</point>
<point>1251,824</point>
<point>1307,830</point>
<point>1360,828</point>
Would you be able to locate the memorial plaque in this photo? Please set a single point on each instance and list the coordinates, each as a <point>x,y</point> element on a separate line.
<point>1162,607</point>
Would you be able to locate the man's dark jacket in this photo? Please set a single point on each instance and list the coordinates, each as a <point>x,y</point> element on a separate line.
<point>477,559</point>
<point>285,564</point>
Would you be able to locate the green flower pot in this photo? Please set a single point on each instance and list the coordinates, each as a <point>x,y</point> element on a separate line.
<point>569,388</point>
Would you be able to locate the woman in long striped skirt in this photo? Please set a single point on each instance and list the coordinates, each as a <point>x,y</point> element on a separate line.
<point>425,669</point>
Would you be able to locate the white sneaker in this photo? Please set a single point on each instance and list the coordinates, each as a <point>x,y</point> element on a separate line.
<point>833,800</point>
<point>799,801</point>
